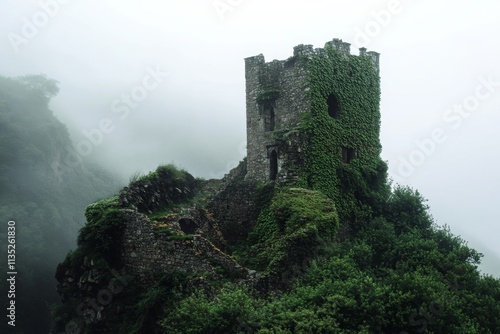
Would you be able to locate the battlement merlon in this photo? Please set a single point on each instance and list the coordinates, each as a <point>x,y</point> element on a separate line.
<point>375,58</point>
<point>302,50</point>
<point>255,60</point>
<point>308,51</point>
<point>342,47</point>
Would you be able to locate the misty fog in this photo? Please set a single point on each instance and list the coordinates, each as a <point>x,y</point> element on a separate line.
<point>142,84</point>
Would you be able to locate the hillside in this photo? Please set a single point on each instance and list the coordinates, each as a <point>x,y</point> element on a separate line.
<point>43,194</point>
<point>294,267</point>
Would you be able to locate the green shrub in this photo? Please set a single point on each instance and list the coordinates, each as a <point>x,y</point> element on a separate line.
<point>199,314</point>
<point>291,228</point>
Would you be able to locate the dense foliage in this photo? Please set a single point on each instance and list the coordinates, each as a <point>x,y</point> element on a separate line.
<point>290,230</point>
<point>397,273</point>
<point>44,199</point>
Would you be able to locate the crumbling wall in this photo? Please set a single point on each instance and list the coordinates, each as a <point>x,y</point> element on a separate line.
<point>234,206</point>
<point>147,252</point>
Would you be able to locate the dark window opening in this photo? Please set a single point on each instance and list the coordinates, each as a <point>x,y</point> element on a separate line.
<point>348,154</point>
<point>273,166</point>
<point>188,226</point>
<point>333,106</point>
<point>269,118</point>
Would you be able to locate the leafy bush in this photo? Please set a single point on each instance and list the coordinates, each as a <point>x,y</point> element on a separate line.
<point>291,228</point>
<point>199,314</point>
<point>406,210</point>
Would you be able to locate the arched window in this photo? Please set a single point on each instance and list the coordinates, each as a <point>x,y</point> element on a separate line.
<point>269,117</point>
<point>273,165</point>
<point>333,106</point>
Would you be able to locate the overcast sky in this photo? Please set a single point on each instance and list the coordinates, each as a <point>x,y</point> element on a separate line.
<point>165,82</point>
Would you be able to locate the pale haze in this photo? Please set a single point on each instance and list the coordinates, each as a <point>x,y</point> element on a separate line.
<point>164,81</point>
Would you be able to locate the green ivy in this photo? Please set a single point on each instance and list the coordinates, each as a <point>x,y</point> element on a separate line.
<point>355,82</point>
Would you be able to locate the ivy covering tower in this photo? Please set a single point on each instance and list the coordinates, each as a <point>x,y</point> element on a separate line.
<point>313,115</point>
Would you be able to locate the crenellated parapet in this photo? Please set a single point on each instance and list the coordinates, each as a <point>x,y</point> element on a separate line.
<point>308,51</point>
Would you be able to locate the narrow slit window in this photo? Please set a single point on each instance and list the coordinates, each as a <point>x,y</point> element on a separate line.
<point>273,165</point>
<point>333,106</point>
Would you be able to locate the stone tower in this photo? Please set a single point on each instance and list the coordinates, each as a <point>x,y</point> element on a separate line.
<point>280,91</point>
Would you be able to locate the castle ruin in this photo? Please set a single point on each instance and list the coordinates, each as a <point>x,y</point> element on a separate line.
<point>280,91</point>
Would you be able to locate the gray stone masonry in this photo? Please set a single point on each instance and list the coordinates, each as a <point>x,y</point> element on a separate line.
<point>147,252</point>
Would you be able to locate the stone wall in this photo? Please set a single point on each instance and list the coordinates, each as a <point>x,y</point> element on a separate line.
<point>234,206</point>
<point>282,84</point>
<point>147,252</point>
